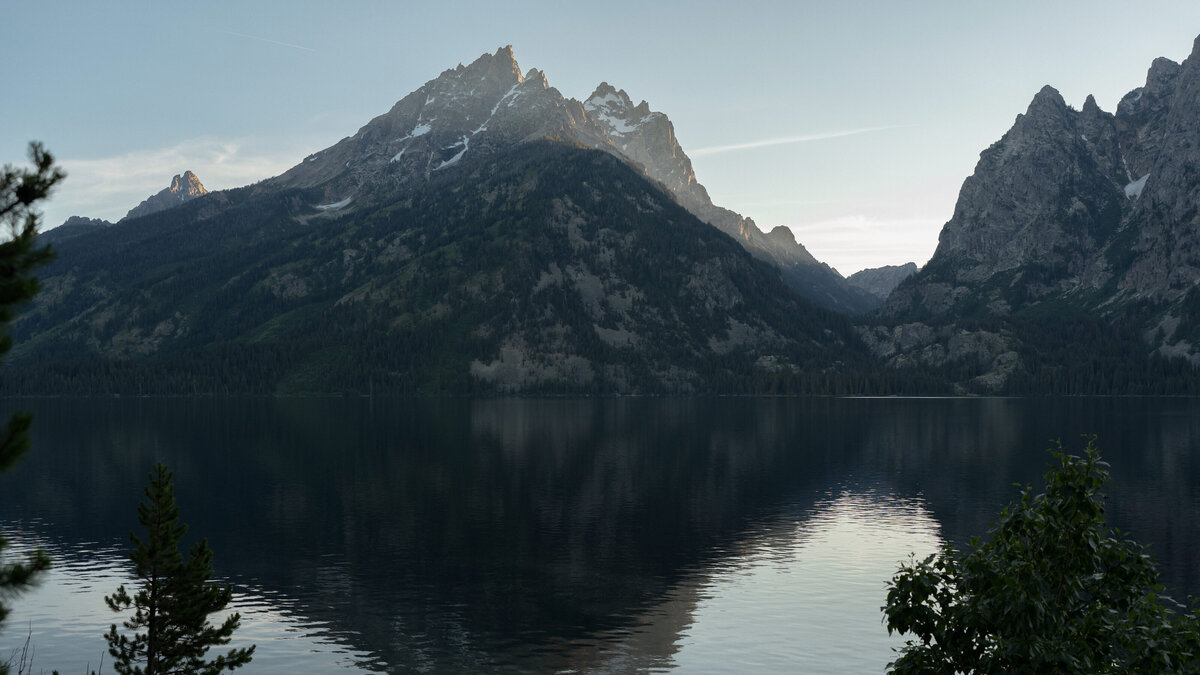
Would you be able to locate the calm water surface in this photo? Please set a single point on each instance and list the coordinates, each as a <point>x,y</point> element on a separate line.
<point>698,535</point>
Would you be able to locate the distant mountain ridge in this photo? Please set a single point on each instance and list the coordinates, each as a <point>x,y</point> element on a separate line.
<point>72,227</point>
<point>881,281</point>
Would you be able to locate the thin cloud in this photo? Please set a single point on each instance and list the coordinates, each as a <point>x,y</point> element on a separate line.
<point>789,139</point>
<point>268,40</point>
<point>107,187</point>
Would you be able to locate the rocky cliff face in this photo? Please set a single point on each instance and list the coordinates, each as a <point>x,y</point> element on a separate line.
<point>1083,202</point>
<point>1031,221</point>
<point>183,188</point>
<point>1080,213</point>
<point>474,112</point>
<point>1162,132</point>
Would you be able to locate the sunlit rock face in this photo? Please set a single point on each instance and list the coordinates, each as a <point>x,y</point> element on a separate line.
<point>183,188</point>
<point>1080,212</point>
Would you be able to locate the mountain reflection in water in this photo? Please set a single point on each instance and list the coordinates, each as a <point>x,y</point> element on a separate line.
<point>598,535</point>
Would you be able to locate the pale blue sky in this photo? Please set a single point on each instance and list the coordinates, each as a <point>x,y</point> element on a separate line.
<point>128,94</point>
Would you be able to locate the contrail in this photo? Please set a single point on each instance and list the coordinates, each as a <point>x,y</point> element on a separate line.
<point>274,42</point>
<point>788,139</point>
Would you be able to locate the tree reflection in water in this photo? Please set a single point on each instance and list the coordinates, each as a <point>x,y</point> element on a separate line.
<point>587,534</point>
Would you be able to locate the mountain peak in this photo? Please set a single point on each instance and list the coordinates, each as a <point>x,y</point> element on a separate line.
<point>1048,95</point>
<point>184,188</point>
<point>606,92</point>
<point>604,89</point>
<point>537,77</point>
<point>501,66</point>
<point>1162,70</point>
<point>609,99</point>
<point>615,111</point>
<point>782,234</point>
<point>189,184</point>
<point>1047,107</point>
<point>1160,82</point>
<point>504,60</point>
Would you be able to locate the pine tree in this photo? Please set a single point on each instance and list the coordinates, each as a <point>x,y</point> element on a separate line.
<point>20,190</point>
<point>172,633</point>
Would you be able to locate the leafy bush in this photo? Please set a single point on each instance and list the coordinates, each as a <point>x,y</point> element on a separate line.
<point>1053,590</point>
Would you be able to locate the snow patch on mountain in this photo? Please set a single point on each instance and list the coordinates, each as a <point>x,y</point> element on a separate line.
<point>511,96</point>
<point>335,206</point>
<point>1134,189</point>
<point>465,143</point>
<point>615,111</point>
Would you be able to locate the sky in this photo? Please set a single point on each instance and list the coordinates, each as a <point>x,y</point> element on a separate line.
<point>852,123</point>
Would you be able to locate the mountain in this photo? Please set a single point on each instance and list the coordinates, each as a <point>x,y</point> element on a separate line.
<point>1074,218</point>
<point>881,281</point>
<point>183,188</point>
<point>484,235</point>
<point>486,107</point>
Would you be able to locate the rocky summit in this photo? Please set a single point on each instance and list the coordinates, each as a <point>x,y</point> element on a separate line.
<point>183,188</point>
<point>1074,215</point>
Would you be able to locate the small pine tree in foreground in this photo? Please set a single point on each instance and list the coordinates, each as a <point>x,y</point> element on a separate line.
<point>1053,590</point>
<point>171,632</point>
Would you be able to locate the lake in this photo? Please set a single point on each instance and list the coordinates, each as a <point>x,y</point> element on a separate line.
<point>709,535</point>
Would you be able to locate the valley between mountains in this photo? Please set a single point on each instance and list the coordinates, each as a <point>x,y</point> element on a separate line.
<point>489,235</point>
